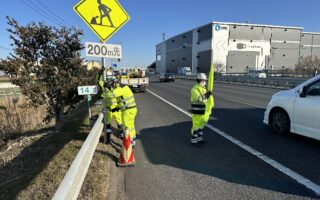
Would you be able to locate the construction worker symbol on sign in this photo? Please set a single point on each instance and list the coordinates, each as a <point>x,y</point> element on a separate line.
<point>104,12</point>
<point>103,17</point>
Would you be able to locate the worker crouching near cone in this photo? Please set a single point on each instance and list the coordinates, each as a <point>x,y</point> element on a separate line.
<point>199,97</point>
<point>111,108</point>
<point>127,105</point>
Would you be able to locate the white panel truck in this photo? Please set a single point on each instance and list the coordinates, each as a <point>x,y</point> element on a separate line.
<point>135,79</point>
<point>184,71</point>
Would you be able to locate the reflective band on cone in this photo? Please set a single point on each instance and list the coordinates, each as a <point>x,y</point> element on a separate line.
<point>126,156</point>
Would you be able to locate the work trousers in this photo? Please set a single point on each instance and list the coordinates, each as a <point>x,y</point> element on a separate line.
<point>198,123</point>
<point>128,118</point>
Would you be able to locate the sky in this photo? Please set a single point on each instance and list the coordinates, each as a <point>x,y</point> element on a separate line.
<point>150,18</point>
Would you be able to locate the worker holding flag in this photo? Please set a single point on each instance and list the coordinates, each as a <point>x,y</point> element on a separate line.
<point>202,103</point>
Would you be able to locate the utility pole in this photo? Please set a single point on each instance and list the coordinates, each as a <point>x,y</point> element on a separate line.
<point>163,36</point>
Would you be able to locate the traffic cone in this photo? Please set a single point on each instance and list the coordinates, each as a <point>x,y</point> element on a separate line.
<point>126,156</point>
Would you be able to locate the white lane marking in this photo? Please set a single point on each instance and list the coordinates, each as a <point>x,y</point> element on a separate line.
<point>243,103</point>
<point>283,169</point>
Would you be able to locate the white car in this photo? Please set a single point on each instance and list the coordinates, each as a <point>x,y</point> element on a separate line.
<point>254,73</point>
<point>296,110</point>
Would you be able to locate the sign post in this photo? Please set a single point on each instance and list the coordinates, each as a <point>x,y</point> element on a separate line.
<point>89,97</point>
<point>104,102</point>
<point>88,91</point>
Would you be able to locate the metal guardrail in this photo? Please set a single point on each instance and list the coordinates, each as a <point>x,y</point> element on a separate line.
<point>72,182</point>
<point>270,82</point>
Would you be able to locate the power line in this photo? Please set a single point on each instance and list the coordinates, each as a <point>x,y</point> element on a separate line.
<point>39,12</point>
<point>45,12</point>
<point>5,48</point>
<point>50,11</point>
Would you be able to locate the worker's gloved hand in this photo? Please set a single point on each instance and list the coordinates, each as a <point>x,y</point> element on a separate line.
<point>115,110</point>
<point>207,95</point>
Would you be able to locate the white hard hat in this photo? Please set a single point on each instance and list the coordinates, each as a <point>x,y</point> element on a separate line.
<point>109,73</point>
<point>201,76</point>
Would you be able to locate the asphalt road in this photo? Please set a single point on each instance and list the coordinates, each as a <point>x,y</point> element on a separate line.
<point>168,167</point>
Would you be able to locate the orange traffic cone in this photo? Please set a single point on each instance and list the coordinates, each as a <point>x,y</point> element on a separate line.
<point>126,156</point>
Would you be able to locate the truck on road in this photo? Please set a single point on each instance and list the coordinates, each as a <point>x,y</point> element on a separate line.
<point>134,78</point>
<point>184,71</point>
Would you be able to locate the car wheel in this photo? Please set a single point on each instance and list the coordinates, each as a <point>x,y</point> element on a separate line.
<point>280,121</point>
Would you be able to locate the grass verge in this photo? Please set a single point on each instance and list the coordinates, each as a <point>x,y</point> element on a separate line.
<point>39,167</point>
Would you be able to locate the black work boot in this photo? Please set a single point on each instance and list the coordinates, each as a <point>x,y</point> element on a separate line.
<point>200,137</point>
<point>194,139</point>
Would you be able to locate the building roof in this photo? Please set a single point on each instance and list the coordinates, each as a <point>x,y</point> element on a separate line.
<point>239,24</point>
<point>313,33</point>
<point>259,25</point>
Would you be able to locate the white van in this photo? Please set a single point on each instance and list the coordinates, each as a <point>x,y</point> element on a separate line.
<point>255,73</point>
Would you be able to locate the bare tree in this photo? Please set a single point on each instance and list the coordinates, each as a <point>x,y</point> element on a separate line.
<point>47,65</point>
<point>219,68</point>
<point>308,65</point>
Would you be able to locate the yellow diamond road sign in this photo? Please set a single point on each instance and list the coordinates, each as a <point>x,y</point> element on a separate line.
<point>104,17</point>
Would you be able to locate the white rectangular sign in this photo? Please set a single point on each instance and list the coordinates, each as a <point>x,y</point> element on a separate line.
<point>86,90</point>
<point>103,50</point>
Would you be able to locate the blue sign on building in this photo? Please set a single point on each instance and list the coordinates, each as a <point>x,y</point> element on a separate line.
<point>217,27</point>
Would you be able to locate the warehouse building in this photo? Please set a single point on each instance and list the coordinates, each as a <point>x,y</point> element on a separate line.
<point>237,47</point>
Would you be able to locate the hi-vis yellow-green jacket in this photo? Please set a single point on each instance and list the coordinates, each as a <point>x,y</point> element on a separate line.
<point>198,99</point>
<point>111,99</point>
<point>125,98</point>
<point>108,95</point>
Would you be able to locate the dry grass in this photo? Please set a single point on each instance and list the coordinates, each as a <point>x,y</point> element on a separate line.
<point>4,79</point>
<point>36,170</point>
<point>97,182</point>
<point>17,115</point>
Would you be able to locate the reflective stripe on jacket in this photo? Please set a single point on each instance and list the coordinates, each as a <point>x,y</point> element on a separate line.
<point>111,99</point>
<point>125,98</point>
<point>198,99</point>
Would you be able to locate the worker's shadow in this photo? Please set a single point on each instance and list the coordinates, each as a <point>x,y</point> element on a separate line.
<point>170,145</point>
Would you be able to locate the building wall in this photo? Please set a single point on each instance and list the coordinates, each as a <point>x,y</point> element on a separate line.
<point>316,45</point>
<point>306,45</point>
<point>179,52</point>
<point>260,47</point>
<point>161,53</point>
<point>241,61</point>
<point>202,48</point>
<point>204,61</point>
<point>200,54</point>
<point>238,47</point>
<point>220,44</point>
<point>178,58</point>
<point>204,33</point>
<point>310,45</point>
<point>285,48</point>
